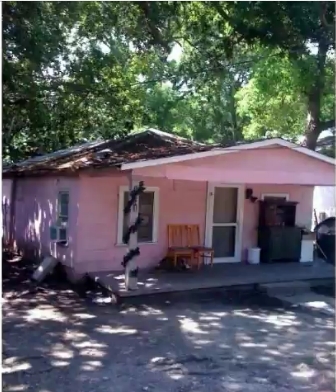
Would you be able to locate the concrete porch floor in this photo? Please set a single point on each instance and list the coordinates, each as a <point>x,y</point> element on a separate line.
<point>219,276</point>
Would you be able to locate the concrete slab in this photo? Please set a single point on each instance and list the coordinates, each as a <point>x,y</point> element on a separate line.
<point>287,288</point>
<point>218,276</point>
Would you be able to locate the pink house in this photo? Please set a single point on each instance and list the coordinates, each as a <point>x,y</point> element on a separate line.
<point>70,203</point>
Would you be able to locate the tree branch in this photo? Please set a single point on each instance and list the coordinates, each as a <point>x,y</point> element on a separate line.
<point>217,5</point>
<point>155,32</point>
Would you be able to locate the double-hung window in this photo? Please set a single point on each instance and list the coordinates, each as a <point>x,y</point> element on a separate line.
<point>148,209</point>
<point>63,208</point>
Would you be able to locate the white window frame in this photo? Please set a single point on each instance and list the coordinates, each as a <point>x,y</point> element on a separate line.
<point>239,224</point>
<point>122,190</point>
<point>280,195</point>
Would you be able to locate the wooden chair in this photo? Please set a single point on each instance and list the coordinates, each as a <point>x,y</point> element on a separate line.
<point>178,245</point>
<point>200,252</point>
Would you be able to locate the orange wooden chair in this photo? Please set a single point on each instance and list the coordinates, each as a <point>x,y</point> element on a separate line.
<point>178,244</point>
<point>200,252</point>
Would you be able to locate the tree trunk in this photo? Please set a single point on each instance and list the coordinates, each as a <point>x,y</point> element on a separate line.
<point>313,131</point>
<point>314,95</point>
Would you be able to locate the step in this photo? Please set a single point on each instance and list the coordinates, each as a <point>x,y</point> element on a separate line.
<point>286,288</point>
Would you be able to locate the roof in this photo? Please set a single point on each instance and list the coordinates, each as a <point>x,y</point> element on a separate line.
<point>149,144</point>
<point>147,148</point>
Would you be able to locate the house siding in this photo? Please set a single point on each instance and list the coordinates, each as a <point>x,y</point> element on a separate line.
<point>179,202</point>
<point>35,210</point>
<point>182,198</point>
<point>276,165</point>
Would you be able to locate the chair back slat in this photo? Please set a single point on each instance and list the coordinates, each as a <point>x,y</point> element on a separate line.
<point>193,235</point>
<point>183,235</point>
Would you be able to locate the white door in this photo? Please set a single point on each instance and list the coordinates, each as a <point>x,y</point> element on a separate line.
<point>224,221</point>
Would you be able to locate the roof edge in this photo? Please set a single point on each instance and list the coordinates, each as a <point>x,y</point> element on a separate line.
<point>227,150</point>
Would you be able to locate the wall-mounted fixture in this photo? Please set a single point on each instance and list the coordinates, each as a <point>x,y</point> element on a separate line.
<point>249,195</point>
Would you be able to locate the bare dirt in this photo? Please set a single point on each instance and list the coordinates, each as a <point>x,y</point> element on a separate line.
<point>53,341</point>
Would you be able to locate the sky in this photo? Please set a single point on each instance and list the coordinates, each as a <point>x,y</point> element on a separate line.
<point>176,53</point>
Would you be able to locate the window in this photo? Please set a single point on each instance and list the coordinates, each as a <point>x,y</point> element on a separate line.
<point>148,208</point>
<point>63,207</point>
<point>275,196</point>
<point>59,230</point>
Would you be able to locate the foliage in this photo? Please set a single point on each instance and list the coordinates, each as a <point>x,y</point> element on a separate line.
<point>66,78</point>
<point>274,100</point>
<point>75,71</point>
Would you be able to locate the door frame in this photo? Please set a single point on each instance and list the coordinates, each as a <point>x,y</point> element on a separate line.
<point>240,215</point>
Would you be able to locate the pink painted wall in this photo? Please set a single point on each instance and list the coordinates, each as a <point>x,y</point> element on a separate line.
<point>36,200</point>
<point>94,204</point>
<point>179,202</point>
<point>291,167</point>
<point>97,249</point>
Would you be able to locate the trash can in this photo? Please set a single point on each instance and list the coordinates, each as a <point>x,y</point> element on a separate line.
<point>325,239</point>
<point>253,256</point>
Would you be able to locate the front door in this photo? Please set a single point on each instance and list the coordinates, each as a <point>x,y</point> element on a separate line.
<point>224,222</point>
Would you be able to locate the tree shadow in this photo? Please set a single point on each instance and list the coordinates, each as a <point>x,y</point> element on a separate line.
<point>54,341</point>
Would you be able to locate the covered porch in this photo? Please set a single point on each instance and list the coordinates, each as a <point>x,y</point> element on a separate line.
<point>216,277</point>
<point>217,190</point>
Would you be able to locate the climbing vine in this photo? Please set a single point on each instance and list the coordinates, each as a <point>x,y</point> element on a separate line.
<point>133,226</point>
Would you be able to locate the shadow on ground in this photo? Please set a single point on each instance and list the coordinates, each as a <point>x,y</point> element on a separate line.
<point>54,341</point>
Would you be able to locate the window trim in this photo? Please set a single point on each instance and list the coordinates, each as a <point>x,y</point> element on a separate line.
<point>286,195</point>
<point>122,190</point>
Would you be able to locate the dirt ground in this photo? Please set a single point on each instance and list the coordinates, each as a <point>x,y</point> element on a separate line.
<point>53,341</point>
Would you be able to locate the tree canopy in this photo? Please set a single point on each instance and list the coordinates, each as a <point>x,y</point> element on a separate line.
<point>211,71</point>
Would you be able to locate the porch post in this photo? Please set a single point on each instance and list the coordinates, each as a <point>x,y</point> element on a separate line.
<point>131,236</point>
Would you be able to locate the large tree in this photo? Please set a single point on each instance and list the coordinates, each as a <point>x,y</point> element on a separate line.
<point>82,70</point>
<point>301,32</point>
<point>71,72</point>
<point>304,33</point>
<point>274,99</point>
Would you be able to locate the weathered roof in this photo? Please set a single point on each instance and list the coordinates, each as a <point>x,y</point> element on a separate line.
<point>149,144</point>
<point>144,148</point>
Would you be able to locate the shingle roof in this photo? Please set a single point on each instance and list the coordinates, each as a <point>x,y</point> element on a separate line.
<point>149,144</point>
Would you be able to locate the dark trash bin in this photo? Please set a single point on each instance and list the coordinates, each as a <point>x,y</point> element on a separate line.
<point>325,239</point>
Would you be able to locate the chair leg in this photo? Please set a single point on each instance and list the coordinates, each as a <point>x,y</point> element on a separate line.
<point>199,260</point>
<point>175,260</point>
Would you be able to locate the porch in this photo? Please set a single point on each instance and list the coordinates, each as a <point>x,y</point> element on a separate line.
<point>218,276</point>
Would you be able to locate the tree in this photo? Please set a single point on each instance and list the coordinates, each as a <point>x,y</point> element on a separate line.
<point>71,72</point>
<point>83,70</point>
<point>273,98</point>
<point>293,28</point>
<point>215,29</point>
